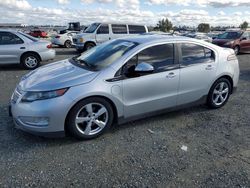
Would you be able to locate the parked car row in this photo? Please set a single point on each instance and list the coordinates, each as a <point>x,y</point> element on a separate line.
<point>98,33</point>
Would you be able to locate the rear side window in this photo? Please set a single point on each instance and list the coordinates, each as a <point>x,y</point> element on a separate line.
<point>194,54</point>
<point>119,29</point>
<point>103,29</point>
<point>9,38</point>
<point>136,29</point>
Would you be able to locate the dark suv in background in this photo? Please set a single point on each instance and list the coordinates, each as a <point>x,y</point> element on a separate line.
<point>237,40</point>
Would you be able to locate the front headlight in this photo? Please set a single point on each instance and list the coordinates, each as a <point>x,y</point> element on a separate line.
<point>81,39</point>
<point>229,43</point>
<point>31,96</point>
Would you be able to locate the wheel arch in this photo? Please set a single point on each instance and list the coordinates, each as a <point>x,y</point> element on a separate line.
<point>30,52</point>
<point>229,78</point>
<point>99,96</point>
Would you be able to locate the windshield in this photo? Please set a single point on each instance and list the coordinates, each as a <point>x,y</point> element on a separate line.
<point>102,56</point>
<point>29,37</point>
<point>229,35</point>
<point>92,28</point>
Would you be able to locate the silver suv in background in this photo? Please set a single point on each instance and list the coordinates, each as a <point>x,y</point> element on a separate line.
<point>121,80</point>
<point>17,47</point>
<point>98,33</point>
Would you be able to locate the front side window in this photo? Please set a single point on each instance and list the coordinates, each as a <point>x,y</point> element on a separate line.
<point>9,38</point>
<point>103,29</point>
<point>246,35</point>
<point>194,54</point>
<point>103,55</point>
<point>160,57</point>
<point>119,29</point>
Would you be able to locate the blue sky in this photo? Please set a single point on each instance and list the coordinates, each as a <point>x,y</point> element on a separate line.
<point>180,12</point>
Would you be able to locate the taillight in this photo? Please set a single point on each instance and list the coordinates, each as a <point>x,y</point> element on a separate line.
<point>231,57</point>
<point>49,46</point>
<point>57,37</point>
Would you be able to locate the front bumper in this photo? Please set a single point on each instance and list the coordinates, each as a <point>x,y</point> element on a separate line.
<point>55,110</point>
<point>79,46</point>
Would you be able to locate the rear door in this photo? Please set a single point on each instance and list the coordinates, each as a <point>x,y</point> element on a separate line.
<point>119,30</point>
<point>197,70</point>
<point>102,34</point>
<point>11,48</point>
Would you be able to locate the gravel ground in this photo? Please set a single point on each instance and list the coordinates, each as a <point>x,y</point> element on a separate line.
<point>144,153</point>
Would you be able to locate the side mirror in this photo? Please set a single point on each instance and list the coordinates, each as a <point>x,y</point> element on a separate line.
<point>243,38</point>
<point>144,68</point>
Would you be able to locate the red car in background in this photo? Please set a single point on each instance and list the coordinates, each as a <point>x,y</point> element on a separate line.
<point>38,34</point>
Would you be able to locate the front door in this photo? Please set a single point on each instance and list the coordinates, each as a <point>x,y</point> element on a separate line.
<point>144,93</point>
<point>102,34</point>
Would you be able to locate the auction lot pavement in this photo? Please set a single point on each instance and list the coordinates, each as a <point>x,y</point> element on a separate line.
<point>144,153</point>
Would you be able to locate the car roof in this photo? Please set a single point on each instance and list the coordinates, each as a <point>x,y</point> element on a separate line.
<point>147,38</point>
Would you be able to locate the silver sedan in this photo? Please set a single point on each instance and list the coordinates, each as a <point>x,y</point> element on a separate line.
<point>17,47</point>
<point>123,80</point>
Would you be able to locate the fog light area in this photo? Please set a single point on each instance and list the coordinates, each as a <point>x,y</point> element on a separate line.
<point>34,121</point>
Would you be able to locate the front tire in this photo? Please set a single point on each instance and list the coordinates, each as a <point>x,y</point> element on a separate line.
<point>30,61</point>
<point>68,44</point>
<point>219,93</point>
<point>89,45</point>
<point>90,118</point>
<point>236,50</point>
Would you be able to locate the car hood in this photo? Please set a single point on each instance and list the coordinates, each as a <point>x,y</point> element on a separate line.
<point>54,76</point>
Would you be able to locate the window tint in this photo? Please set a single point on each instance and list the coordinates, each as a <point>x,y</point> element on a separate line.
<point>135,29</point>
<point>119,29</point>
<point>193,54</point>
<point>103,29</point>
<point>160,57</point>
<point>9,38</point>
<point>245,35</point>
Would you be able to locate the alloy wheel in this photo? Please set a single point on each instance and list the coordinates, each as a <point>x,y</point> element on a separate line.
<point>91,119</point>
<point>220,93</point>
<point>31,62</point>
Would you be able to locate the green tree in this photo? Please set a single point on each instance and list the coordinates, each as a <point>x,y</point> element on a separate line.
<point>204,27</point>
<point>164,25</point>
<point>244,25</point>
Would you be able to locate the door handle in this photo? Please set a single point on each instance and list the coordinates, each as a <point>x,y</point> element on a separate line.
<point>109,38</point>
<point>22,48</point>
<point>209,67</point>
<point>171,75</point>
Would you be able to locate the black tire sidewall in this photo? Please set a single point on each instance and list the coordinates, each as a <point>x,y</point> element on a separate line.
<point>89,45</point>
<point>210,102</point>
<point>238,50</point>
<point>71,127</point>
<point>68,42</point>
<point>25,56</point>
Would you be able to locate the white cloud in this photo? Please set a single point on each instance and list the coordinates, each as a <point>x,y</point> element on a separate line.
<point>120,3</point>
<point>63,2</point>
<point>19,4</point>
<point>221,13</point>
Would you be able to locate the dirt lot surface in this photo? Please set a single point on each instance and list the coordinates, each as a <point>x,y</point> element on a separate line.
<point>145,153</point>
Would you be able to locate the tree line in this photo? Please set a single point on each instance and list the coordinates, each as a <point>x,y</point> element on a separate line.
<point>165,25</point>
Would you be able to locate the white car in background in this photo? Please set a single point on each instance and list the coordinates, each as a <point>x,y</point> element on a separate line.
<point>64,38</point>
<point>98,33</point>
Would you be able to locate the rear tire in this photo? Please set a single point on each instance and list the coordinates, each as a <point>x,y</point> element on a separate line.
<point>219,93</point>
<point>90,118</point>
<point>30,61</point>
<point>68,44</point>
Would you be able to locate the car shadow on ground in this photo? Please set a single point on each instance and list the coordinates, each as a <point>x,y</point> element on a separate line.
<point>29,139</point>
<point>66,51</point>
<point>12,67</point>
